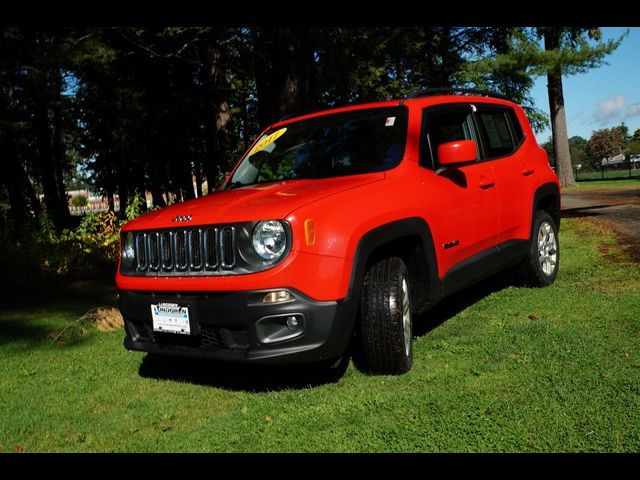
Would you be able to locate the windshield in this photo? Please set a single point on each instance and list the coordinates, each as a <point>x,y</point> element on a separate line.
<point>348,143</point>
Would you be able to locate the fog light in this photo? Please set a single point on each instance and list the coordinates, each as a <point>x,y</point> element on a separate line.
<point>278,296</point>
<point>294,323</point>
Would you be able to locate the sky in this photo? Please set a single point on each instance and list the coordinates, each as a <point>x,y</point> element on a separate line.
<point>603,97</point>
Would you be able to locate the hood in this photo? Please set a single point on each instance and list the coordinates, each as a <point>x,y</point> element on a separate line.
<point>274,200</point>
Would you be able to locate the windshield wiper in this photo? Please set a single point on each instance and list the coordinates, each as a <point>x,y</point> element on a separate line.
<point>233,185</point>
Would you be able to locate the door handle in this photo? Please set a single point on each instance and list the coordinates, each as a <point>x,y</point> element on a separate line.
<point>486,183</point>
<point>527,170</point>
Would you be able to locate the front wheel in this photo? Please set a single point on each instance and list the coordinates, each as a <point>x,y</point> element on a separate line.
<point>386,331</point>
<point>540,267</point>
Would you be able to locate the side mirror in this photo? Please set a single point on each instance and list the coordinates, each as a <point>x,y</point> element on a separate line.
<point>454,153</point>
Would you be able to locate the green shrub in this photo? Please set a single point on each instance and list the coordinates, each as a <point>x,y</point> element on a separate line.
<point>79,201</point>
<point>91,246</point>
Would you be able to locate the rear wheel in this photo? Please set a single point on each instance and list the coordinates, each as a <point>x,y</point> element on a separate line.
<point>540,267</point>
<point>386,330</point>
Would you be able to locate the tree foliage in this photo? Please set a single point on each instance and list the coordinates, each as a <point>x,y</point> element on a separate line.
<point>578,148</point>
<point>554,52</point>
<point>605,143</point>
<point>634,144</point>
<point>129,110</point>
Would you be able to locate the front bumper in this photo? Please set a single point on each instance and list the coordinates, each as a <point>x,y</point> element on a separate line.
<point>236,326</point>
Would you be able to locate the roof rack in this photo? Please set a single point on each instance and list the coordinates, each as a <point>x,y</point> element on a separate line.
<point>452,91</point>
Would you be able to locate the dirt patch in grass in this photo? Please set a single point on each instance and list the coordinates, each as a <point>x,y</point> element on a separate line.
<point>609,211</point>
<point>108,319</point>
<point>625,249</point>
<point>105,319</point>
<point>630,196</point>
<point>594,224</point>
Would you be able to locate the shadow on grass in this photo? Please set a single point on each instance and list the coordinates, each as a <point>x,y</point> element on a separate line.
<point>18,330</point>
<point>454,304</point>
<point>55,291</point>
<point>262,378</point>
<point>240,377</point>
<point>579,212</point>
<point>26,308</point>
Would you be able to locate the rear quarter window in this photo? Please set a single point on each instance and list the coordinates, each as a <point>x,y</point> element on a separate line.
<point>498,139</point>
<point>516,128</point>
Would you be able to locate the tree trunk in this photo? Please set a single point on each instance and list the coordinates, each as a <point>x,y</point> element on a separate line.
<point>156,195</point>
<point>561,151</point>
<point>57,206</point>
<point>123,195</point>
<point>284,72</point>
<point>110,201</point>
<point>217,115</point>
<point>209,122</point>
<point>58,148</point>
<point>244,109</point>
<point>294,80</point>
<point>262,47</point>
<point>198,174</point>
<point>19,189</point>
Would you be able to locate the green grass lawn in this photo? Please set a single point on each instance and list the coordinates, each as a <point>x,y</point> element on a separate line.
<point>608,174</point>
<point>497,368</point>
<point>620,183</point>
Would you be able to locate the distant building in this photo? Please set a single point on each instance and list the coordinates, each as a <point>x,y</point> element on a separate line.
<point>617,160</point>
<point>96,202</point>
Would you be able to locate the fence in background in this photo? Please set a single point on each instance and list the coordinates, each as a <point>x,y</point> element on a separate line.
<point>626,169</point>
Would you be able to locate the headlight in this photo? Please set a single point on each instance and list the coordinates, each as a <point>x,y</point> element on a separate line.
<point>128,251</point>
<point>269,239</point>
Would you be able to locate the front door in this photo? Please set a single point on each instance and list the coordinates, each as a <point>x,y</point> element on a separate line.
<point>464,196</point>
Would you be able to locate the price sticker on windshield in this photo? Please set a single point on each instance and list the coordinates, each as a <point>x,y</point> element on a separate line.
<point>266,141</point>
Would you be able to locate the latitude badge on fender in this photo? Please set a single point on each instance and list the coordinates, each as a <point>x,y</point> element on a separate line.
<point>181,218</point>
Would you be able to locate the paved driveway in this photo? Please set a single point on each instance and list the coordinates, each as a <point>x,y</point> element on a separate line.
<point>619,208</point>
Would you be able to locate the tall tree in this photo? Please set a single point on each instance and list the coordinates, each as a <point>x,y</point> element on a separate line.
<point>604,143</point>
<point>284,69</point>
<point>578,146</point>
<point>45,59</point>
<point>567,52</point>
<point>148,109</point>
<point>554,52</point>
<point>634,144</point>
<point>16,146</point>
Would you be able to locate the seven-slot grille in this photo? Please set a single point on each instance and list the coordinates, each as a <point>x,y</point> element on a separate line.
<point>207,249</point>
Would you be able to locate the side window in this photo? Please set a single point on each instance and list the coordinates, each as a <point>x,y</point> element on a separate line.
<point>495,129</point>
<point>500,129</point>
<point>442,125</point>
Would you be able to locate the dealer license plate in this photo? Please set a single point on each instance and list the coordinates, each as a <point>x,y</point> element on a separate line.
<point>170,318</point>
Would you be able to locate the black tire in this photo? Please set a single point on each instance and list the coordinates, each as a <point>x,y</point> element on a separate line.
<point>531,272</point>
<point>383,349</point>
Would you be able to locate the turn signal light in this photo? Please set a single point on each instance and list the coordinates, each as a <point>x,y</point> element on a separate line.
<point>310,232</point>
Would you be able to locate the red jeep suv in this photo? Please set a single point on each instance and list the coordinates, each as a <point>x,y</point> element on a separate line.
<point>339,226</point>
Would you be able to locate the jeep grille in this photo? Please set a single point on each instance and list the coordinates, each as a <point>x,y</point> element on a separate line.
<point>185,251</point>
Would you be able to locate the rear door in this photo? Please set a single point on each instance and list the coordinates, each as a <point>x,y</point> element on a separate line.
<point>502,137</point>
<point>464,196</point>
